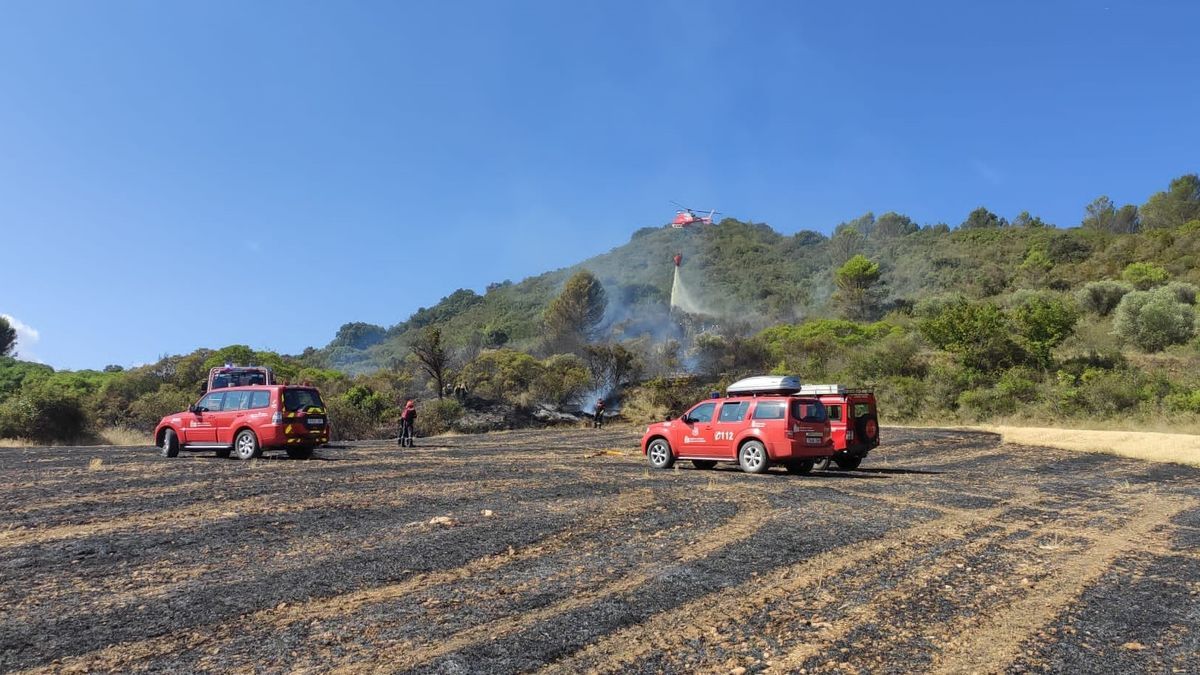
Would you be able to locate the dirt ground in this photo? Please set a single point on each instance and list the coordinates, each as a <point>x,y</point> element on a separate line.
<point>562,551</point>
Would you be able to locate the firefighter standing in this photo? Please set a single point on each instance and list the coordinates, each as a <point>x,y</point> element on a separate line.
<point>407,418</point>
<point>598,418</point>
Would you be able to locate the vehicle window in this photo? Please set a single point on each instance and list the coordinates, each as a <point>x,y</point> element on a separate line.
<point>835,412</point>
<point>809,411</point>
<point>734,411</point>
<point>212,402</point>
<point>221,381</point>
<point>862,409</point>
<point>769,410</point>
<point>236,400</point>
<point>298,399</point>
<point>703,412</point>
<point>260,399</point>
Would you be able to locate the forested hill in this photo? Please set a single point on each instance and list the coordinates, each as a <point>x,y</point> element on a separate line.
<point>749,276</point>
<point>987,319</point>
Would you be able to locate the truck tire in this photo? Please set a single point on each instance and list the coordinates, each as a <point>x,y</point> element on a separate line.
<point>703,464</point>
<point>800,467</point>
<point>752,457</point>
<point>659,453</point>
<point>169,447</point>
<point>300,453</point>
<point>246,446</point>
<point>848,463</point>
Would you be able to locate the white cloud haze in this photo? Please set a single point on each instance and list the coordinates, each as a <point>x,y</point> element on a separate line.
<point>27,336</point>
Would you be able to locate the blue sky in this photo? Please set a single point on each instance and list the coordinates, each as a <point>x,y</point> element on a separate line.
<point>353,161</point>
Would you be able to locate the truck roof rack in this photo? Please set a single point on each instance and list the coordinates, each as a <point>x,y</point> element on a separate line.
<point>765,384</point>
<point>813,389</point>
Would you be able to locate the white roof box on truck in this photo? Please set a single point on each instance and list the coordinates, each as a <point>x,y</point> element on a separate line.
<point>815,389</point>
<point>765,384</point>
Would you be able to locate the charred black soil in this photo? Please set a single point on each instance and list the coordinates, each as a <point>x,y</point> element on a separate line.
<point>563,551</point>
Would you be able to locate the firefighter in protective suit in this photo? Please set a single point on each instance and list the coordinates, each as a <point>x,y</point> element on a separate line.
<point>407,418</point>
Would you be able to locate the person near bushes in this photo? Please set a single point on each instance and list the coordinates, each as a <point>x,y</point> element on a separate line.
<point>598,418</point>
<point>407,418</point>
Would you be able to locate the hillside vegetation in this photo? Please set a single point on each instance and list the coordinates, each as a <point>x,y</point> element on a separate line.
<point>990,318</point>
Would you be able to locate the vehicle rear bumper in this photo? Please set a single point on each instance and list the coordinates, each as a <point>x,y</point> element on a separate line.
<point>293,434</point>
<point>801,450</point>
<point>856,450</point>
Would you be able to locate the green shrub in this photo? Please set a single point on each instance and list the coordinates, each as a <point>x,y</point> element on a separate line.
<point>1183,291</point>
<point>438,416</point>
<point>44,413</point>
<point>149,408</point>
<point>903,399</point>
<point>349,423</point>
<point>1043,321</point>
<point>982,404</point>
<point>1144,276</point>
<point>1154,320</point>
<point>563,380</point>
<point>1020,384</point>
<point>1186,402</point>
<point>1102,297</point>
<point>978,333</point>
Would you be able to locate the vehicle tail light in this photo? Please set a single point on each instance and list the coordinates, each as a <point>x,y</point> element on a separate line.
<point>277,418</point>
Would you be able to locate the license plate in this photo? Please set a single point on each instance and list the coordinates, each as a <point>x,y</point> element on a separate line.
<point>316,421</point>
<point>813,440</point>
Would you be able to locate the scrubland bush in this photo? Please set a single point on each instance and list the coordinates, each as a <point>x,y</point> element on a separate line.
<point>1154,320</point>
<point>1102,297</point>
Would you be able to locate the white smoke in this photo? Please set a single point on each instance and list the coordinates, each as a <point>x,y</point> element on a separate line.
<point>27,336</point>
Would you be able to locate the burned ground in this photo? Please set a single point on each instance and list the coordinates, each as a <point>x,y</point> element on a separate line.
<point>563,551</point>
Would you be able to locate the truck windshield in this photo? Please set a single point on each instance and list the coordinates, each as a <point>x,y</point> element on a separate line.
<point>809,411</point>
<point>299,399</point>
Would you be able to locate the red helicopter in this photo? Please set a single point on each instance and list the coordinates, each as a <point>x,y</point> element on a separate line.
<point>685,217</point>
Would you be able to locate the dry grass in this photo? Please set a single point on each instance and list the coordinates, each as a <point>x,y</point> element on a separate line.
<point>117,436</point>
<point>112,436</point>
<point>1151,446</point>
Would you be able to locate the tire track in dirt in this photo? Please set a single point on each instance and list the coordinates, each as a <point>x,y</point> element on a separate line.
<point>752,514</point>
<point>833,624</point>
<point>673,628</point>
<point>121,655</point>
<point>208,512</point>
<point>996,641</point>
<point>875,612</point>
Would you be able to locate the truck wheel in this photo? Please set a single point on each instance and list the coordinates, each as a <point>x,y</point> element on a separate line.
<point>169,447</point>
<point>659,454</point>
<point>300,453</point>
<point>704,464</point>
<point>245,446</point>
<point>848,463</point>
<point>800,466</point>
<point>752,457</point>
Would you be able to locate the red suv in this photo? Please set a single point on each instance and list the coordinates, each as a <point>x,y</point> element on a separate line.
<point>760,422</point>
<point>853,421</point>
<point>247,420</point>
